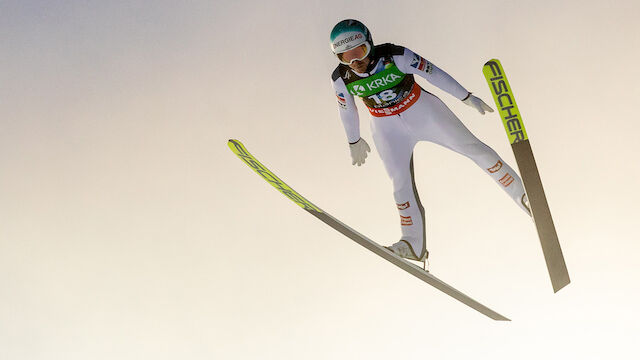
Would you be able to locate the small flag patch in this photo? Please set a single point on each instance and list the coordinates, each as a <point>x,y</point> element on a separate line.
<point>342,101</point>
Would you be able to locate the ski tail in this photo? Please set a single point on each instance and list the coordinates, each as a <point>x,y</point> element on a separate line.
<point>519,140</point>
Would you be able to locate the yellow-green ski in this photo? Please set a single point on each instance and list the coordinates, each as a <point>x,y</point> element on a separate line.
<point>239,149</point>
<point>519,140</point>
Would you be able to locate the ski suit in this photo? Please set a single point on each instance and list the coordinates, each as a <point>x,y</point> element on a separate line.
<point>402,113</point>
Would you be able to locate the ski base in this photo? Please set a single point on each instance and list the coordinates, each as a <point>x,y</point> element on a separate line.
<point>551,249</point>
<point>238,148</point>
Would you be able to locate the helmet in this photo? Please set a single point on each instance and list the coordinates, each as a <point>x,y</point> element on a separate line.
<point>349,34</point>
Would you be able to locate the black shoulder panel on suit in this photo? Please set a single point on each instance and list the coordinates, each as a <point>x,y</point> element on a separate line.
<point>388,49</point>
<point>337,73</point>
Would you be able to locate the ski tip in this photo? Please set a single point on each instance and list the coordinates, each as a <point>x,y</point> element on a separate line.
<point>492,61</point>
<point>234,145</point>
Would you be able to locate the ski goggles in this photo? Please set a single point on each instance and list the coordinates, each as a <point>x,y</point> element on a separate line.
<point>356,54</point>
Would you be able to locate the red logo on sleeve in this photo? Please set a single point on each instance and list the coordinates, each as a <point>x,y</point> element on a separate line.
<point>507,180</point>
<point>406,220</point>
<point>495,167</point>
<point>403,206</point>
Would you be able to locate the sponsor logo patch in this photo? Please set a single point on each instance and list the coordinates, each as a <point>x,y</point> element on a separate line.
<point>347,40</point>
<point>504,98</point>
<point>403,206</point>
<point>406,220</point>
<point>359,89</point>
<point>374,84</point>
<point>421,64</point>
<point>342,101</point>
<point>381,82</point>
<point>495,167</point>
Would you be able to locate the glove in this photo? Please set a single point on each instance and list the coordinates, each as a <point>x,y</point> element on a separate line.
<point>359,151</point>
<point>477,104</point>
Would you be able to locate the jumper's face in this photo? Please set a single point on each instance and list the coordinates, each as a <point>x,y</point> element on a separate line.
<point>357,58</point>
<point>360,66</point>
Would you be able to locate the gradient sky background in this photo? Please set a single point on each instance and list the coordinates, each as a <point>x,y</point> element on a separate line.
<point>128,230</point>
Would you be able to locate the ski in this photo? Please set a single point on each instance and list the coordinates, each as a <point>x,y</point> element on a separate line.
<point>238,148</point>
<point>514,126</point>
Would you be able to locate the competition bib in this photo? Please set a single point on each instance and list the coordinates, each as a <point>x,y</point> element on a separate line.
<point>390,77</point>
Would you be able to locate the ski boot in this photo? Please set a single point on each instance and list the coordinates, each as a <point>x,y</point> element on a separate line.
<point>404,249</point>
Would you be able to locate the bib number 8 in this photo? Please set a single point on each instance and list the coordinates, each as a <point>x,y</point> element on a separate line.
<point>386,95</point>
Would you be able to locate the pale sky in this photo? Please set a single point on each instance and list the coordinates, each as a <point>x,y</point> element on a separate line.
<point>128,230</point>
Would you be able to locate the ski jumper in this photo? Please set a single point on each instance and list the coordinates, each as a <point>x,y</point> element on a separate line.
<point>402,113</point>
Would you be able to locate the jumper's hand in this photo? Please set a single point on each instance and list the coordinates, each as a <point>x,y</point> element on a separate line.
<point>477,104</point>
<point>359,151</point>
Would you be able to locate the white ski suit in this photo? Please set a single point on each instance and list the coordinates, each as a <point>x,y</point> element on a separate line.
<point>402,113</point>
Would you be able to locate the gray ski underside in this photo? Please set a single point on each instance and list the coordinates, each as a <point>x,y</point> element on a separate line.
<point>406,265</point>
<point>551,249</point>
